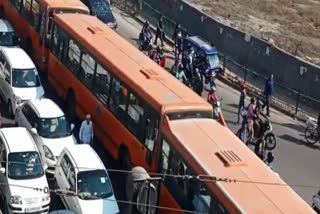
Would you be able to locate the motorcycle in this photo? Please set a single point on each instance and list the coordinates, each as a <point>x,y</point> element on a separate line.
<point>243,133</point>
<point>144,42</point>
<point>312,132</point>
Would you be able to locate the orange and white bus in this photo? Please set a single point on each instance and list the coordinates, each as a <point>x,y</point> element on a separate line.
<point>143,116</point>
<point>32,20</point>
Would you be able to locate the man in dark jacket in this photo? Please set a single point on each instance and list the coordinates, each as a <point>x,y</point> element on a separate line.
<point>160,32</point>
<point>268,91</point>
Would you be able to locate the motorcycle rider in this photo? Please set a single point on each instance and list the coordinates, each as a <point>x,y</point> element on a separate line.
<point>145,35</point>
<point>251,117</point>
<point>197,82</point>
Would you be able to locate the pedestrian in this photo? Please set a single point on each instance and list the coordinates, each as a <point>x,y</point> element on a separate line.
<point>86,131</point>
<point>175,35</point>
<point>268,91</point>
<point>251,117</point>
<point>180,75</point>
<point>198,82</point>
<point>242,101</point>
<point>160,32</point>
<point>162,58</point>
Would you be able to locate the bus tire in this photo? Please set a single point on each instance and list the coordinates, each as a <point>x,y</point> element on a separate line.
<point>29,47</point>
<point>124,158</point>
<point>71,105</point>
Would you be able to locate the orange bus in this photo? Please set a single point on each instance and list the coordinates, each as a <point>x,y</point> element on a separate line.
<point>32,20</point>
<point>143,116</point>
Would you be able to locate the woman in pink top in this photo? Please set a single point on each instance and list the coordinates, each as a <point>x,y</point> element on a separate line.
<point>251,117</point>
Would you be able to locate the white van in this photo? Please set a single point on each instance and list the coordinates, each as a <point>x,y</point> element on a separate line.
<point>8,37</point>
<point>21,171</point>
<point>48,126</point>
<point>80,170</point>
<point>19,79</point>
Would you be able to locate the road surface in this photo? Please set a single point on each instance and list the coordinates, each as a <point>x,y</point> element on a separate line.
<point>296,162</point>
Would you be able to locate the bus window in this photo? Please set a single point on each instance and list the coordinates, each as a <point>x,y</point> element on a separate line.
<point>49,25</point>
<point>36,13</point>
<point>73,57</point>
<point>135,115</point>
<point>118,99</point>
<point>151,129</point>
<point>42,23</point>
<point>87,69</point>
<point>101,86</point>
<point>26,8</point>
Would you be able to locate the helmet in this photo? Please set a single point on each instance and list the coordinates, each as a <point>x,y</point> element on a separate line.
<point>252,100</point>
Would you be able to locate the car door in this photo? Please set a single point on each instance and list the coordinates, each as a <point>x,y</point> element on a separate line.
<point>66,182</point>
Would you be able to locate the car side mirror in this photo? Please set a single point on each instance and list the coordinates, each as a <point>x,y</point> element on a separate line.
<point>2,170</point>
<point>34,131</point>
<point>72,126</point>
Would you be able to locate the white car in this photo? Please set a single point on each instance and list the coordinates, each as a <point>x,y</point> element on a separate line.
<point>80,170</point>
<point>8,37</point>
<point>19,79</point>
<point>21,171</point>
<point>49,127</point>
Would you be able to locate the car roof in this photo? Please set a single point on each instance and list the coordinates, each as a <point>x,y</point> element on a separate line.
<point>205,46</point>
<point>18,139</point>
<point>18,58</point>
<point>5,26</point>
<point>85,157</point>
<point>46,108</point>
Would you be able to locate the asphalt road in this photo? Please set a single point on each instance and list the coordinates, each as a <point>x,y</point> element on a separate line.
<point>296,162</point>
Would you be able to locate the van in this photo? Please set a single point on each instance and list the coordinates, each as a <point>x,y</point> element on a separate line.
<point>19,79</point>
<point>22,172</point>
<point>80,171</point>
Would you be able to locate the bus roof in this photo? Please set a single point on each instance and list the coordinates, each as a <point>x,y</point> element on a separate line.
<point>67,4</point>
<point>136,69</point>
<point>206,140</point>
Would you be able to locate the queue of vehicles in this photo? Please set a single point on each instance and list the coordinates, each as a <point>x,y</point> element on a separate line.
<point>42,144</point>
<point>143,117</point>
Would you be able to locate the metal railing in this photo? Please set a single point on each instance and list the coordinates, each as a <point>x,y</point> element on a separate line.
<point>289,96</point>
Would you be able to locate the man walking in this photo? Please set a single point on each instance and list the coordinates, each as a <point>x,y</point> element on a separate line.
<point>86,131</point>
<point>268,91</point>
<point>160,32</point>
<point>242,101</point>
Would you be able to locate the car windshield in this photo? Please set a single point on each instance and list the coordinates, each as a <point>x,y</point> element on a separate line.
<point>24,165</point>
<point>8,39</point>
<point>100,7</point>
<point>94,185</point>
<point>213,60</point>
<point>54,127</point>
<point>24,78</point>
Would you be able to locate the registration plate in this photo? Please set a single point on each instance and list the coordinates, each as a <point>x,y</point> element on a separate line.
<point>33,209</point>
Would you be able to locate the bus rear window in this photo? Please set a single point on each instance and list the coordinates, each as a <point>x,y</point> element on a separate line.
<point>189,115</point>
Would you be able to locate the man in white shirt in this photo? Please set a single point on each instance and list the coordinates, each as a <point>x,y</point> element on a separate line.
<point>86,131</point>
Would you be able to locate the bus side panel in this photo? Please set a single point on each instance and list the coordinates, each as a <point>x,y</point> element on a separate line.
<point>167,200</point>
<point>108,129</point>
<point>29,37</point>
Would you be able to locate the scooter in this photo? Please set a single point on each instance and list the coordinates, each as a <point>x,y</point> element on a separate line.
<point>144,44</point>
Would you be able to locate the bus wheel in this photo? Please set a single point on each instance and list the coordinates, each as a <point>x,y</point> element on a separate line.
<point>124,158</point>
<point>29,47</point>
<point>71,105</point>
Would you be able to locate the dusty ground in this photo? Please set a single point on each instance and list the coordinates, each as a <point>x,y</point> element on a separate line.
<point>293,25</point>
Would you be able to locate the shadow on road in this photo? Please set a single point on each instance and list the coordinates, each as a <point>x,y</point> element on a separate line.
<point>296,127</point>
<point>291,139</point>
